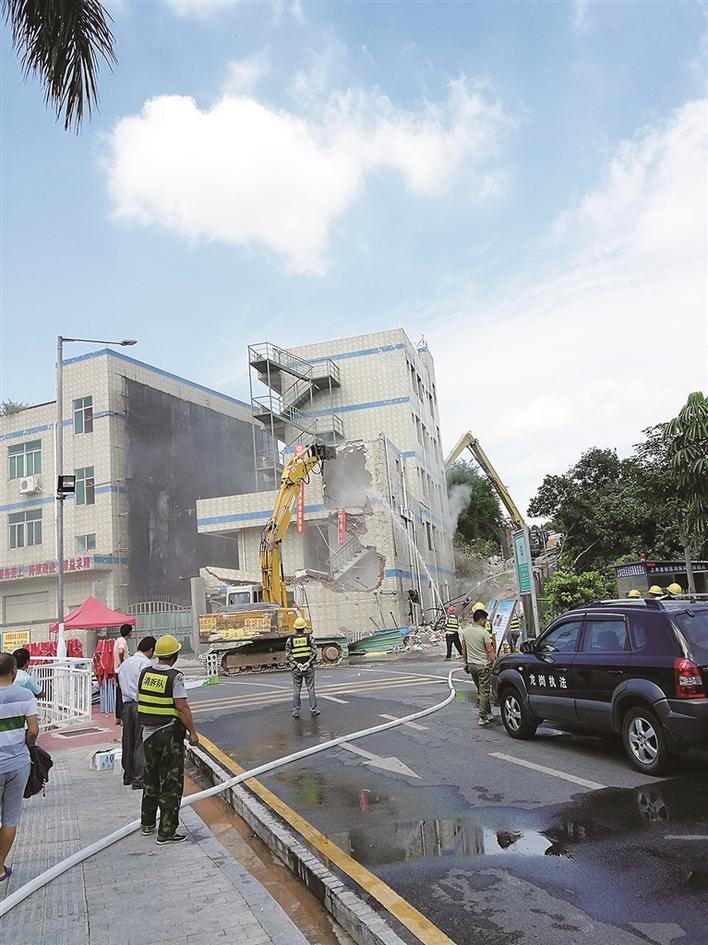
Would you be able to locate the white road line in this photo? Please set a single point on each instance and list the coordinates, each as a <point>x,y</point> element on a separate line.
<point>333,699</point>
<point>392,718</point>
<point>242,682</point>
<point>583,782</point>
<point>270,698</point>
<point>686,836</point>
<point>364,684</point>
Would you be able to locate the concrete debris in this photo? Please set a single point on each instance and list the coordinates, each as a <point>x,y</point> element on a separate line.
<point>424,637</point>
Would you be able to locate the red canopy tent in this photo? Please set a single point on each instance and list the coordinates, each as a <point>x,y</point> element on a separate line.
<point>91,615</point>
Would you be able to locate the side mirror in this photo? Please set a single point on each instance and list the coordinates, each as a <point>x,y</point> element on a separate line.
<point>527,646</point>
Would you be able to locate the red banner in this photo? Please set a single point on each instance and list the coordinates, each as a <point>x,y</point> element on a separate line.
<point>300,503</point>
<point>342,525</point>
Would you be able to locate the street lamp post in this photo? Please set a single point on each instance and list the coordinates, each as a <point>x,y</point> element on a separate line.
<point>62,489</point>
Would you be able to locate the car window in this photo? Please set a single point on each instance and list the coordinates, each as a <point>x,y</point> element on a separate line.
<point>694,626</point>
<point>561,639</point>
<point>605,635</point>
<point>651,635</point>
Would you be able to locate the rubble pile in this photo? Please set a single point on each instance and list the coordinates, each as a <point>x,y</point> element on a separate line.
<point>424,637</point>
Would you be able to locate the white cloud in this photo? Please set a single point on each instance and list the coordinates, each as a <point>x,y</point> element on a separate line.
<point>580,15</point>
<point>297,11</point>
<point>199,8</point>
<point>611,337</point>
<point>242,75</point>
<point>249,175</point>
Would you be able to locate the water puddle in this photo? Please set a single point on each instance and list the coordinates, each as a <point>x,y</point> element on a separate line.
<point>292,896</point>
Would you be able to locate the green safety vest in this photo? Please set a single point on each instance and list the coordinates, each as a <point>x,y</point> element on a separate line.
<point>452,624</point>
<point>300,647</point>
<point>156,704</point>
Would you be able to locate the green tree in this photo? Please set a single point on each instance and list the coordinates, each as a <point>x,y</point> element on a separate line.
<point>565,590</point>
<point>609,508</point>
<point>60,42</point>
<point>686,437</point>
<point>475,506</point>
<point>8,407</point>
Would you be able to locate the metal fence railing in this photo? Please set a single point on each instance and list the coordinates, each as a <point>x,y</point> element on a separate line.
<point>65,698</point>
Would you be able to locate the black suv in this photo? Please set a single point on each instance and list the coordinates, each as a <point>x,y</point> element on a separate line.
<point>638,668</point>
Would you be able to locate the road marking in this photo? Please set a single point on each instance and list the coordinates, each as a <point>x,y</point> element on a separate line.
<point>393,718</point>
<point>256,699</point>
<point>686,836</point>
<point>243,682</point>
<point>336,687</point>
<point>583,782</point>
<point>377,761</point>
<point>333,699</point>
<point>421,927</point>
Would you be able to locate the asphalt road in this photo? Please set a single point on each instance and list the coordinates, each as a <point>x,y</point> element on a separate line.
<point>447,814</point>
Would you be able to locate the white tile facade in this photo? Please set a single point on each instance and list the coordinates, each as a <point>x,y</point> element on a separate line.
<point>387,399</point>
<point>28,600</point>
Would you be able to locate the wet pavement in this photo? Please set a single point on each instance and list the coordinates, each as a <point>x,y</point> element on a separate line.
<point>489,850</point>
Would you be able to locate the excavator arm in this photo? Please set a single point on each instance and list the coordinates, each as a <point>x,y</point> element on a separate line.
<point>296,471</point>
<point>470,442</point>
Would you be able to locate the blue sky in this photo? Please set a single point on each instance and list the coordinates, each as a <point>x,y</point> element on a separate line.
<point>524,183</point>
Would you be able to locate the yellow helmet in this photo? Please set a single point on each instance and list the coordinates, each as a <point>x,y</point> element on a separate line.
<point>478,606</point>
<point>300,623</point>
<point>674,589</point>
<point>167,645</point>
<point>634,593</point>
<point>655,589</point>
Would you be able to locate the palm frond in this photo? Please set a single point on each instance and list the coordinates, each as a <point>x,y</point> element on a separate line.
<point>60,42</point>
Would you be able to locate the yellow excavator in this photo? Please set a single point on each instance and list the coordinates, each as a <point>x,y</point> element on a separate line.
<point>250,631</point>
<point>470,442</point>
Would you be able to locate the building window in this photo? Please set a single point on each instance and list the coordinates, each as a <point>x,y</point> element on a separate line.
<point>83,415</point>
<point>85,486</point>
<point>25,459</point>
<point>83,543</point>
<point>25,528</point>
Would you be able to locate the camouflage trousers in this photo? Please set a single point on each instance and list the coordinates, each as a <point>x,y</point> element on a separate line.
<point>163,779</point>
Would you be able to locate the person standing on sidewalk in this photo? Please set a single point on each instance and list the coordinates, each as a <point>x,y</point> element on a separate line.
<point>120,655</point>
<point>18,708</point>
<point>478,654</point>
<point>23,678</point>
<point>301,656</point>
<point>164,713</point>
<point>132,755</point>
<point>452,632</point>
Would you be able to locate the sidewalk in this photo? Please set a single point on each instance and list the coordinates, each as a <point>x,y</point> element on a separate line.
<point>134,892</point>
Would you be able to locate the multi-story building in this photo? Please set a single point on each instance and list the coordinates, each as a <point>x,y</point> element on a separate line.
<point>144,445</point>
<point>372,546</point>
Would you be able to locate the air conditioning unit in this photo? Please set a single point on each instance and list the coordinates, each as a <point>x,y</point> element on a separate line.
<point>29,485</point>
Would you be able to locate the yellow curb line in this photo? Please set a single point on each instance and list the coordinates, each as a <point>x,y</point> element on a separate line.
<point>407,915</point>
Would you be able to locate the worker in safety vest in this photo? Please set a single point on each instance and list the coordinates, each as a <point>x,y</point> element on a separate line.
<point>301,655</point>
<point>164,713</point>
<point>452,632</point>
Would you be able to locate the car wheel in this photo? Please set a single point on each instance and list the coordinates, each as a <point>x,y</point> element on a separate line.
<point>644,741</point>
<point>515,716</point>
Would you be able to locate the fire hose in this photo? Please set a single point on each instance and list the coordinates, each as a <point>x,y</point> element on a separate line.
<point>24,892</point>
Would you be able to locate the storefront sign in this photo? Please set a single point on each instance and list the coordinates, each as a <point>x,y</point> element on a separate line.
<point>47,568</point>
<point>14,639</point>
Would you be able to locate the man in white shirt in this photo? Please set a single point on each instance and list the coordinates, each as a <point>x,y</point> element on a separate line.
<point>133,755</point>
<point>120,654</point>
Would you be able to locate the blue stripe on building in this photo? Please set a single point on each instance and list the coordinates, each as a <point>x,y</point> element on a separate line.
<point>248,516</point>
<point>348,408</point>
<point>155,370</point>
<point>361,353</point>
<point>30,431</point>
<point>49,499</point>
